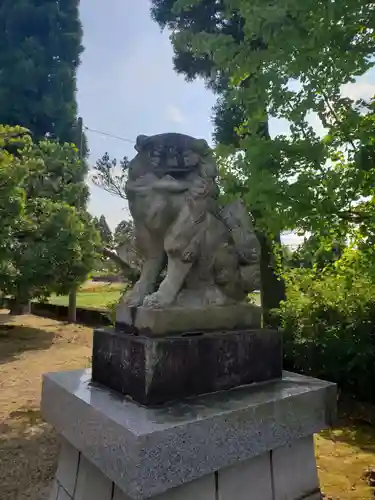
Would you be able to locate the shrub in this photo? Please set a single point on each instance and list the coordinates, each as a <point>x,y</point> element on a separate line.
<point>329,328</point>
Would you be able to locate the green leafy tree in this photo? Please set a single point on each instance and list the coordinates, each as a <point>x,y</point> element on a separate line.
<point>105,263</point>
<point>124,233</point>
<point>318,252</point>
<point>305,52</point>
<point>40,47</point>
<point>49,245</point>
<point>229,114</point>
<point>307,44</point>
<point>111,175</point>
<point>210,16</point>
<point>12,195</point>
<point>56,172</point>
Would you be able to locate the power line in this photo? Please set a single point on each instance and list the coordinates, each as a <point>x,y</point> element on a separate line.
<point>106,134</point>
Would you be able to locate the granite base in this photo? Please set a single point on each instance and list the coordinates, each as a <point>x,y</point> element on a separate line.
<point>153,371</point>
<point>286,473</point>
<point>247,443</point>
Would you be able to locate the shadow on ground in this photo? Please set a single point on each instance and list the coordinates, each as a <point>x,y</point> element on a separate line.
<point>356,425</point>
<point>16,339</point>
<point>28,455</point>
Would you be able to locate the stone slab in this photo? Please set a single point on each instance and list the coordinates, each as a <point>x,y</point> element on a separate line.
<point>247,480</point>
<point>160,322</point>
<point>68,466</point>
<point>63,495</point>
<point>54,490</point>
<point>154,371</point>
<point>294,470</point>
<point>91,484</point>
<point>147,451</point>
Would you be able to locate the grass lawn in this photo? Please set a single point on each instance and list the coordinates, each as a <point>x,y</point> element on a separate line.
<point>96,295</point>
<point>100,295</point>
<point>31,346</point>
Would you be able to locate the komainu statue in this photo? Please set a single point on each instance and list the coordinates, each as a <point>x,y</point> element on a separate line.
<point>208,254</point>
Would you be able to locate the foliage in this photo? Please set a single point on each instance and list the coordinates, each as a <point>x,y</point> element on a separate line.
<point>316,252</point>
<point>111,175</point>
<point>49,244</point>
<point>305,52</point>
<point>40,46</point>
<point>104,230</point>
<point>124,233</point>
<point>126,244</point>
<point>56,172</point>
<point>213,17</point>
<point>328,323</point>
<point>12,196</point>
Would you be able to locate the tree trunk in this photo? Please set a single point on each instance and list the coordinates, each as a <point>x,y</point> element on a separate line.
<point>72,308</point>
<point>128,272</point>
<point>18,307</point>
<point>272,287</point>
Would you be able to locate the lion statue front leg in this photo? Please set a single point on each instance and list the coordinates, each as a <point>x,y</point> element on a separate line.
<point>170,286</point>
<point>153,250</point>
<point>146,283</point>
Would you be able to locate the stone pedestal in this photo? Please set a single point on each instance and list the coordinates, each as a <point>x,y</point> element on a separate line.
<point>250,443</point>
<point>155,370</point>
<point>186,320</point>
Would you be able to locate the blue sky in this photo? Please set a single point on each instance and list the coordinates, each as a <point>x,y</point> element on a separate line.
<point>127,86</point>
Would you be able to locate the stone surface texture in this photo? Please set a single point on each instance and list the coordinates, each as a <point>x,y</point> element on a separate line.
<point>54,488</point>
<point>159,322</point>
<point>294,470</point>
<point>153,371</point>
<point>68,466</point>
<point>259,478</point>
<point>91,484</point>
<point>251,479</point>
<point>146,452</point>
<point>210,254</point>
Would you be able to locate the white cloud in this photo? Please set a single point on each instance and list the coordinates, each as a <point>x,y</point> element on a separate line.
<point>291,239</point>
<point>359,90</point>
<point>175,115</point>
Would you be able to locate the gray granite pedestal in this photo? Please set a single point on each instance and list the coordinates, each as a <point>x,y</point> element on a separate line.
<point>249,443</point>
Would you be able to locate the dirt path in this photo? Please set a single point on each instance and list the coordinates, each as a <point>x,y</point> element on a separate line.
<point>29,347</point>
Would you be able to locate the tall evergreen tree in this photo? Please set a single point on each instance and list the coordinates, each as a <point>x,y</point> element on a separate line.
<point>40,47</point>
<point>104,231</point>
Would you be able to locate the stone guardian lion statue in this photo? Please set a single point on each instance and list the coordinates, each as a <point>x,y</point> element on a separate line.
<point>209,254</point>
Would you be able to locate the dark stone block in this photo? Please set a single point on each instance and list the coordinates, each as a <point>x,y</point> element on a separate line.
<point>153,371</point>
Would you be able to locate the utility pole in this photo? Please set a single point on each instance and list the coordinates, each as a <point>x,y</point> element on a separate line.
<point>72,312</point>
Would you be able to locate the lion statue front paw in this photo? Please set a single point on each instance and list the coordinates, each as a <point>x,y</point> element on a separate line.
<point>157,300</point>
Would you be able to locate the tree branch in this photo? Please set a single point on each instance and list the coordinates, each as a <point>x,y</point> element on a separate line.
<point>130,273</point>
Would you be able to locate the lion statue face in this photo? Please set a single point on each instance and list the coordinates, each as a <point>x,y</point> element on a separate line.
<point>171,154</point>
